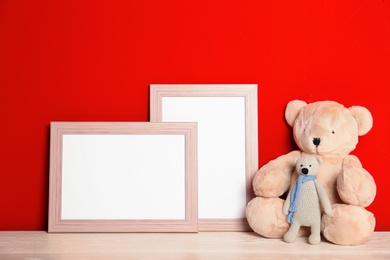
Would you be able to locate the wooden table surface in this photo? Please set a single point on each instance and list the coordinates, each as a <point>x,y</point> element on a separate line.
<point>203,245</point>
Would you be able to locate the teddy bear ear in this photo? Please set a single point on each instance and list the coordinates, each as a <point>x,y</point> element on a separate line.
<point>292,110</point>
<point>363,117</point>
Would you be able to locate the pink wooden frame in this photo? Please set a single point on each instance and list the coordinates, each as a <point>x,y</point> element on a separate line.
<point>59,129</point>
<point>249,92</point>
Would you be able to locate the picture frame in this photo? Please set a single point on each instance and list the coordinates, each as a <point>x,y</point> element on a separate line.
<point>123,177</point>
<point>227,145</point>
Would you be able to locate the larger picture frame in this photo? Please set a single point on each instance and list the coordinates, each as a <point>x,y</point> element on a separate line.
<point>227,145</point>
<point>123,177</point>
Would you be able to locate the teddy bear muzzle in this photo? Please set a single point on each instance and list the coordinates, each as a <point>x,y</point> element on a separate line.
<point>304,171</point>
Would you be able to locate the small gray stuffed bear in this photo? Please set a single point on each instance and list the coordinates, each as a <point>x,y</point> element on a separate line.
<point>302,206</point>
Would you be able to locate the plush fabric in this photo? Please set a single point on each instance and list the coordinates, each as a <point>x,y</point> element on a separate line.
<point>329,131</point>
<point>296,194</point>
<point>303,203</point>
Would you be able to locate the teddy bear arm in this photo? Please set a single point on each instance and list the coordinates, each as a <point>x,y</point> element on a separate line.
<point>273,179</point>
<point>355,185</point>
<point>351,161</point>
<point>323,196</point>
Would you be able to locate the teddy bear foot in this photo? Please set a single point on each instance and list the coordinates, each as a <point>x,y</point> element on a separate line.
<point>314,239</point>
<point>348,225</point>
<point>292,234</point>
<point>258,214</point>
<point>289,238</point>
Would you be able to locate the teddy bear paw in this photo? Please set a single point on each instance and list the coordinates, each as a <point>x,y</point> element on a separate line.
<point>314,239</point>
<point>348,225</point>
<point>265,217</point>
<point>289,237</point>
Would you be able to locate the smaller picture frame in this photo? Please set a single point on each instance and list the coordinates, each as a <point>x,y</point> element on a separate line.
<point>123,177</point>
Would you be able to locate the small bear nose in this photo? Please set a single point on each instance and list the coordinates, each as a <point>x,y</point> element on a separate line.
<point>316,141</point>
<point>305,171</point>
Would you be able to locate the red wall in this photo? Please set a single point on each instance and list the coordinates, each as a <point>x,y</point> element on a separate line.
<point>94,61</point>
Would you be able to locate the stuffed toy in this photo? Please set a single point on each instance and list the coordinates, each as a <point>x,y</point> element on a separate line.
<point>330,131</point>
<point>302,205</point>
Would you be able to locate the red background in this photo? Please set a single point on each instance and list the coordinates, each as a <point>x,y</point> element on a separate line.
<point>94,61</point>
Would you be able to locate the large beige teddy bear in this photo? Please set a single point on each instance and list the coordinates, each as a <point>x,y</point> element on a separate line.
<point>328,130</point>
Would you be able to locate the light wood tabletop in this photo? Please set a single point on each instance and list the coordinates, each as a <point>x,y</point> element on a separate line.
<point>203,245</point>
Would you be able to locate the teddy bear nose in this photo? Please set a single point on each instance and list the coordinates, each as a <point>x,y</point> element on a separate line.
<point>305,171</point>
<point>316,141</point>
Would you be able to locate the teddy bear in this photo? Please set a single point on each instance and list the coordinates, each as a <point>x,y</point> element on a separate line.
<point>330,131</point>
<point>302,205</point>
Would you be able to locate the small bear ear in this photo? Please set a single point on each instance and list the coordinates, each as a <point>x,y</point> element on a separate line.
<point>319,160</point>
<point>363,117</point>
<point>292,110</point>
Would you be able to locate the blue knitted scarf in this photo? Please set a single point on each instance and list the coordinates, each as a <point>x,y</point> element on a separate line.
<point>295,194</point>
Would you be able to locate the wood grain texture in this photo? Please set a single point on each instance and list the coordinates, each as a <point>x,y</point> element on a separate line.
<point>205,245</point>
<point>215,224</point>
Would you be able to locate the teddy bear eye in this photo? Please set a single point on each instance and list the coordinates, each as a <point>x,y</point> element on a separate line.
<point>332,132</point>
<point>309,165</point>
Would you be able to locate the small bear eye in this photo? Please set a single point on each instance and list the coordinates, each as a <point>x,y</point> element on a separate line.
<point>309,165</point>
<point>332,132</point>
<point>301,165</point>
